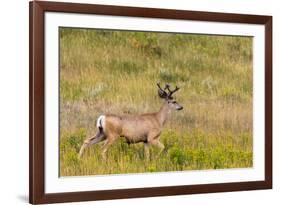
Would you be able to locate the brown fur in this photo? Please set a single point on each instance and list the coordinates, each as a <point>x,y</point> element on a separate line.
<point>144,128</point>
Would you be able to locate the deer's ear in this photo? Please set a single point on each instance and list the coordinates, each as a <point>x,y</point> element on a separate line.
<point>162,94</point>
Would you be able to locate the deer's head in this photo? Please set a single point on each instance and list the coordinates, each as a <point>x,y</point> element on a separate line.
<point>166,94</point>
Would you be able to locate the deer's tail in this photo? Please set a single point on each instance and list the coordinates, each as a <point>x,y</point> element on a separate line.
<point>101,123</point>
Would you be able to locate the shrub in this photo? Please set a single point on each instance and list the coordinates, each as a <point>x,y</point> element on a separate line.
<point>177,156</point>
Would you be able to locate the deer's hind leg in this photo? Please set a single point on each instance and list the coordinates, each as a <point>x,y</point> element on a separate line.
<point>100,136</point>
<point>109,141</point>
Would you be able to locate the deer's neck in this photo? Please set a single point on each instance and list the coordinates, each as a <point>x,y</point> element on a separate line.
<point>163,113</point>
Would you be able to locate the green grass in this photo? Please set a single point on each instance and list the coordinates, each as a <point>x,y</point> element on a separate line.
<point>116,72</point>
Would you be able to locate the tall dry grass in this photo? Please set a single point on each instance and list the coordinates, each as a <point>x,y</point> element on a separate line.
<point>117,71</point>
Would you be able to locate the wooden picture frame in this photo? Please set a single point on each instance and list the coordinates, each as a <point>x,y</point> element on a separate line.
<point>37,10</point>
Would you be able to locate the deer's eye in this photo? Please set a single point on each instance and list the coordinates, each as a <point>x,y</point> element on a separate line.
<point>173,102</point>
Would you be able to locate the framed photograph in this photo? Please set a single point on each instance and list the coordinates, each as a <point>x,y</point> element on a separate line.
<point>132,102</point>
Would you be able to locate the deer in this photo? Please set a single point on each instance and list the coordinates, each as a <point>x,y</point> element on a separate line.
<point>145,128</point>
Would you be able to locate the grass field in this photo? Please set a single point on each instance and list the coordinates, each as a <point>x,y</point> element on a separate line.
<point>116,72</point>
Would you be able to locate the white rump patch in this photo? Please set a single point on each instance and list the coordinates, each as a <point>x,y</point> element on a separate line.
<point>101,121</point>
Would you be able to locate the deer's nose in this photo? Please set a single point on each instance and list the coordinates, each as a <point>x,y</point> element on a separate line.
<point>180,108</point>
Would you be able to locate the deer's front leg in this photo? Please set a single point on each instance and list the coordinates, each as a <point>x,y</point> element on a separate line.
<point>158,144</point>
<point>153,139</point>
<point>146,150</point>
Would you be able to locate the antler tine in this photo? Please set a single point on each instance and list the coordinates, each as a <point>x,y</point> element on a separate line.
<point>162,93</point>
<point>158,84</point>
<point>167,86</point>
<point>171,92</point>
